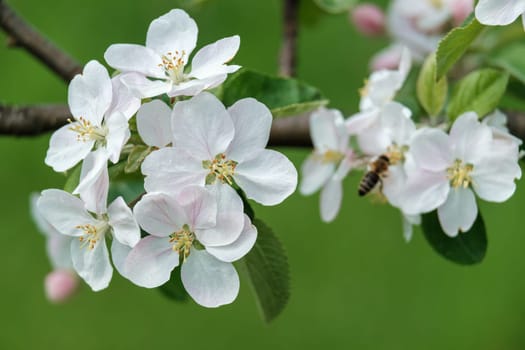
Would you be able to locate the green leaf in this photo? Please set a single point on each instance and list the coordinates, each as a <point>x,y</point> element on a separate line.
<point>431,92</point>
<point>454,45</point>
<point>73,178</point>
<point>407,94</point>
<point>467,248</point>
<point>480,91</point>
<point>136,157</point>
<point>511,59</point>
<point>129,190</point>
<point>283,96</point>
<point>248,210</point>
<point>335,6</point>
<point>173,289</point>
<point>268,272</point>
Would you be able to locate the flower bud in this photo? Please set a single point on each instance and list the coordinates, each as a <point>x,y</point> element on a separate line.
<point>368,19</point>
<point>460,10</point>
<point>386,59</point>
<point>60,285</point>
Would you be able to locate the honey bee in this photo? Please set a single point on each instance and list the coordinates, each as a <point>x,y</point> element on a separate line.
<point>378,169</point>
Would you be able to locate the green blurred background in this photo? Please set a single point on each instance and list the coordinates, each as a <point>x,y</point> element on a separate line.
<point>355,283</point>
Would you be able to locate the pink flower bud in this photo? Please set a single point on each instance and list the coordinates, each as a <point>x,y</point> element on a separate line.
<point>386,59</point>
<point>60,285</point>
<point>461,9</point>
<point>368,19</point>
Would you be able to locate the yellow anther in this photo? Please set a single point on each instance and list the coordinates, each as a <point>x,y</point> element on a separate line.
<point>86,131</point>
<point>459,174</point>
<point>396,153</point>
<point>182,241</point>
<point>173,65</point>
<point>92,234</point>
<point>220,168</point>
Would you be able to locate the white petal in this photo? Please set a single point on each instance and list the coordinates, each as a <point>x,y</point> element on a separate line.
<point>314,174</point>
<point>119,254</point>
<point>408,225</point>
<point>268,178</point>
<point>154,123</point>
<point>396,119</point>
<point>90,93</point>
<point>331,198</point>
<point>374,140</point>
<point>327,130</point>
<point>230,217</point>
<point>470,139</point>
<point>210,282</point>
<point>394,185</point>
<point>150,262</point>
<point>65,150</point>
<point>160,214</point>
<point>459,211</point>
<point>252,121</point>
<point>493,179</point>
<point>125,228</point>
<point>211,59</point>
<point>124,100</point>
<point>240,247</point>
<point>93,186</point>
<point>431,149</point>
<point>64,211</point>
<point>195,86</point>
<point>424,192</point>
<point>174,31</point>
<point>118,135</point>
<point>143,87</point>
<point>202,126</point>
<point>92,265</point>
<point>135,58</point>
<point>361,121</point>
<point>58,248</point>
<point>499,12</point>
<point>200,205</point>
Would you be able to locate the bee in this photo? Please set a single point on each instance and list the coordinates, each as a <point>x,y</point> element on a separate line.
<point>378,169</point>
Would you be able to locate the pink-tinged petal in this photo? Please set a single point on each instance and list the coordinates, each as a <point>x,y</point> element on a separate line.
<point>150,262</point>
<point>65,150</point>
<point>211,59</point>
<point>459,211</point>
<point>92,265</point>
<point>121,220</point>
<point>124,100</point>
<point>93,186</point>
<point>327,130</point>
<point>268,178</point>
<point>461,9</point>
<point>58,251</point>
<point>60,285</point>
<point>375,140</point>
<point>135,58</point>
<point>143,87</point>
<point>200,205</point>
<point>240,247</point>
<point>361,121</point>
<point>171,169</point>
<point>499,12</point>
<point>202,126</point>
<point>470,139</point>
<point>64,212</point>
<point>424,192</point>
<point>431,150</point>
<point>119,254</point>
<point>154,123</point>
<point>315,174</point>
<point>160,214</point>
<point>209,281</point>
<point>369,19</point>
<point>252,121</point>
<point>174,31</point>
<point>331,198</point>
<point>90,93</point>
<point>493,179</point>
<point>387,58</point>
<point>118,135</point>
<point>230,218</point>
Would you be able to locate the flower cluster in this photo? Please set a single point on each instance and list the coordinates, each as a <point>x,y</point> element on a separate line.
<point>417,168</point>
<point>201,159</point>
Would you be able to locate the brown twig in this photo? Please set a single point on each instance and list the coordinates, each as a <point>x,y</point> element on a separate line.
<point>288,56</point>
<point>21,34</point>
<point>32,120</point>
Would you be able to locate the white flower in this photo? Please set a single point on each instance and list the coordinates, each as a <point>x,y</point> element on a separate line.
<point>89,253</point>
<point>170,40</point>
<point>215,145</point>
<point>99,119</point>
<point>500,12</point>
<point>330,161</point>
<point>154,124</point>
<point>180,229</point>
<point>451,168</point>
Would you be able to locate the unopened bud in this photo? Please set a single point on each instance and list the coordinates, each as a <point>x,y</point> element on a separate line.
<point>60,285</point>
<point>368,19</point>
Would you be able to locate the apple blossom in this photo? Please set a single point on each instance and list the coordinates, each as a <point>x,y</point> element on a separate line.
<point>169,42</point>
<point>179,228</point>
<point>89,253</point>
<point>60,285</point>
<point>449,169</point>
<point>369,19</point>
<point>213,144</point>
<point>500,12</point>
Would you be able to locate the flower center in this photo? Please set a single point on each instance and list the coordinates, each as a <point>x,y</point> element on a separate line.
<point>365,89</point>
<point>87,131</point>
<point>92,234</point>
<point>396,153</point>
<point>220,168</point>
<point>459,174</point>
<point>182,241</point>
<point>437,3</point>
<point>173,65</point>
<point>330,156</point>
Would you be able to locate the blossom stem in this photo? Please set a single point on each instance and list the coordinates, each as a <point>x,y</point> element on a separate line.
<point>288,56</point>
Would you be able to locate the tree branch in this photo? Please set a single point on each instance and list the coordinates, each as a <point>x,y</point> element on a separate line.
<point>32,120</point>
<point>21,34</point>
<point>288,56</point>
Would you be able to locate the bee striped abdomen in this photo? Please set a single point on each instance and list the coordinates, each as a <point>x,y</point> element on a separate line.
<point>368,182</point>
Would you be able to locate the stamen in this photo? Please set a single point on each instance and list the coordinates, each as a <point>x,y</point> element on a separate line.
<point>396,153</point>
<point>220,168</point>
<point>92,234</point>
<point>173,65</point>
<point>459,174</point>
<point>330,156</point>
<point>86,131</point>
<point>182,241</point>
